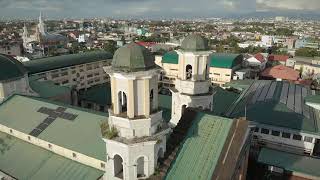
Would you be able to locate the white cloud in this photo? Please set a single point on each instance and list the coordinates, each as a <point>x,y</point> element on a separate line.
<point>309,5</point>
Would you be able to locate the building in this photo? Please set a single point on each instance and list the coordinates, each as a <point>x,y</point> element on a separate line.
<point>257,61</point>
<point>267,41</point>
<point>286,137</point>
<point>131,141</point>
<point>11,49</point>
<point>278,58</point>
<point>80,71</point>
<point>223,67</point>
<point>42,41</point>
<point>279,73</point>
<point>192,85</point>
<point>308,67</point>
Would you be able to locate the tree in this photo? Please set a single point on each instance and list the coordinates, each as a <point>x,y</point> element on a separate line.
<point>307,52</point>
<point>110,46</point>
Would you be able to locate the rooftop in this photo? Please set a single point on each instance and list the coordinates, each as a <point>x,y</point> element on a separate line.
<point>100,94</point>
<point>133,57</point>
<point>170,57</point>
<point>47,89</point>
<point>194,42</point>
<point>290,162</point>
<point>277,103</point>
<point>223,60</point>
<point>70,134</point>
<point>15,153</point>
<point>51,63</point>
<point>10,68</point>
<point>281,72</point>
<point>200,153</point>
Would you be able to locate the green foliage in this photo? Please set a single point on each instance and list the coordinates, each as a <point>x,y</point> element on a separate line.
<point>110,46</point>
<point>307,52</point>
<point>153,38</point>
<point>107,131</point>
<point>252,50</point>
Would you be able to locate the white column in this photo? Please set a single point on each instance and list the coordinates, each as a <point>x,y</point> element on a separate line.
<point>130,99</point>
<point>146,97</point>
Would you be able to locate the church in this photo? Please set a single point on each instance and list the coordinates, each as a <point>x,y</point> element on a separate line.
<point>143,135</point>
<point>42,41</point>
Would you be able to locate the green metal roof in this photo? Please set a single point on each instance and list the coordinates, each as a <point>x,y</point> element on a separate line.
<point>171,57</point>
<point>239,84</point>
<point>223,60</point>
<point>200,152</point>
<point>194,42</point>
<point>165,103</point>
<point>25,161</point>
<point>10,68</point>
<point>313,99</point>
<point>81,135</point>
<point>100,94</point>
<point>50,63</point>
<point>47,89</point>
<point>279,104</point>
<point>222,100</point>
<point>290,162</point>
<point>133,57</point>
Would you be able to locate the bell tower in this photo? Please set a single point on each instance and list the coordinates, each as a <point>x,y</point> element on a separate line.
<point>134,114</point>
<point>193,86</point>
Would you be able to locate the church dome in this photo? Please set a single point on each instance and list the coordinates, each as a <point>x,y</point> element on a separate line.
<point>10,68</point>
<point>194,42</point>
<point>133,57</point>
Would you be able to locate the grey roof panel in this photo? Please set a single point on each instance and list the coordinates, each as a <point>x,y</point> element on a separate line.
<point>257,92</point>
<point>264,92</point>
<point>284,93</point>
<point>271,90</point>
<point>291,94</point>
<point>298,100</point>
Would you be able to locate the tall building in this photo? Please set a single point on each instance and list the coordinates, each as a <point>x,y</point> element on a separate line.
<point>42,41</point>
<point>193,86</point>
<point>135,114</point>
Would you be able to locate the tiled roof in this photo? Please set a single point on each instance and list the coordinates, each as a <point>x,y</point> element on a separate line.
<point>281,72</point>
<point>26,161</point>
<point>278,57</point>
<point>260,57</point>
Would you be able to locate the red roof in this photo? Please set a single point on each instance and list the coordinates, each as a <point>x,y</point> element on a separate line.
<point>259,57</point>
<point>146,44</point>
<point>281,72</point>
<point>278,57</point>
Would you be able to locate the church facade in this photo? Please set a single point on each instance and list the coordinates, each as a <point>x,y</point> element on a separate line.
<point>42,41</point>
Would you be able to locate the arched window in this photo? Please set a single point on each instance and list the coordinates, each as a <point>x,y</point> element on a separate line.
<point>140,167</point>
<point>188,71</point>
<point>118,166</point>
<point>151,99</point>
<point>183,109</point>
<point>122,101</point>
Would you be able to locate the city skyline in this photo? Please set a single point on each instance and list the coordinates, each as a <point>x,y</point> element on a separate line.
<point>153,8</point>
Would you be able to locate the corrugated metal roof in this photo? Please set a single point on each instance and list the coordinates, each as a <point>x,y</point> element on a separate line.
<point>285,108</point>
<point>82,135</point>
<point>290,162</point>
<point>171,57</point>
<point>50,63</point>
<point>26,161</point>
<point>223,60</point>
<point>200,152</point>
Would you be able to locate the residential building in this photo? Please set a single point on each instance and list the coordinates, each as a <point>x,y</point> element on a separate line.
<point>280,73</point>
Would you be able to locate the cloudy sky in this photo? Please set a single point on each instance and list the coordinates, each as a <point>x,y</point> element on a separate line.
<point>149,8</point>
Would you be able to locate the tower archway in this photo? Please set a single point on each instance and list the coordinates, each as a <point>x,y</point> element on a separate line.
<point>118,166</point>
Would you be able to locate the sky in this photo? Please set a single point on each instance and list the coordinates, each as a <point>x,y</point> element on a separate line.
<point>149,8</point>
